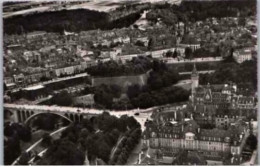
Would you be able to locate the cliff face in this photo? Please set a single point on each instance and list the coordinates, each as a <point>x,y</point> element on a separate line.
<point>122,81</point>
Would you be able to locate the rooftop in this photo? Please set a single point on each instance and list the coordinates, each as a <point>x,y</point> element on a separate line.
<point>34,87</point>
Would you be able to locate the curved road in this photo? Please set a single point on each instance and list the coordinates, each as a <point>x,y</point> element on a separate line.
<point>38,142</point>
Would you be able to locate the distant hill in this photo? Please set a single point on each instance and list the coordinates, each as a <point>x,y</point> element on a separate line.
<point>71,20</point>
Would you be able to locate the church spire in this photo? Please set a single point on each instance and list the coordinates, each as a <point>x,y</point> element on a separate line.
<point>194,82</point>
<point>194,71</point>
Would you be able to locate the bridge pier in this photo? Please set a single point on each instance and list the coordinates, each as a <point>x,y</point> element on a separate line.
<point>16,116</point>
<point>23,115</point>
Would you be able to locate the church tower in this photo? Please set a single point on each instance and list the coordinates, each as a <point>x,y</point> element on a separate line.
<point>194,81</point>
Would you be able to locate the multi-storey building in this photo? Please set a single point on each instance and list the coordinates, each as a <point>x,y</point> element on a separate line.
<point>188,128</point>
<point>213,144</point>
<point>243,55</point>
<point>206,99</point>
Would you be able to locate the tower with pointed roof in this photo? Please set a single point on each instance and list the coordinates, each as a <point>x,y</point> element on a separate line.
<point>194,81</point>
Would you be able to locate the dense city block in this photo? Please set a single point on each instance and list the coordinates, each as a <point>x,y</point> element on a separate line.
<point>152,82</point>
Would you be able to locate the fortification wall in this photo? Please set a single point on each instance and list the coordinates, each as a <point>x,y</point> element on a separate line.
<point>122,81</point>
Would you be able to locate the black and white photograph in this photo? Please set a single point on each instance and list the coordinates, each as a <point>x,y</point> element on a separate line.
<point>130,82</point>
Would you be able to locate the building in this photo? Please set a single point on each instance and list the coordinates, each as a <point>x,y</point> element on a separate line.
<point>9,82</point>
<point>243,55</point>
<point>193,46</point>
<point>35,92</point>
<point>212,144</point>
<point>35,34</point>
<point>112,54</point>
<point>19,79</point>
<point>223,96</point>
<point>208,100</point>
<point>194,82</point>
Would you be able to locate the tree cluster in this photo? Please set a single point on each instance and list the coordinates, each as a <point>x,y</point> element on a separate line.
<point>62,99</point>
<point>252,142</point>
<point>160,97</point>
<point>94,138</point>
<point>14,133</point>
<point>63,152</point>
<point>198,10</point>
<point>245,72</point>
<point>159,86</point>
<point>124,149</point>
<point>71,20</point>
<point>172,54</point>
<point>137,65</point>
<point>202,53</point>
<point>162,76</point>
<point>104,94</point>
<point>166,15</point>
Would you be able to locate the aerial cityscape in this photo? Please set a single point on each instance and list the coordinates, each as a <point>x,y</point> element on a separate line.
<point>130,82</point>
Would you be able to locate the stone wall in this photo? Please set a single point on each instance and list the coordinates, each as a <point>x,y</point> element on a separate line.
<point>122,81</point>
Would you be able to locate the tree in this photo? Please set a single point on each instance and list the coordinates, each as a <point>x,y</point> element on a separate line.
<point>242,21</point>
<point>46,140</point>
<point>133,91</point>
<point>252,142</point>
<point>63,152</point>
<point>188,53</point>
<point>24,133</point>
<point>151,43</point>
<point>139,43</point>
<point>230,58</point>
<point>116,90</point>
<point>169,54</point>
<point>175,54</point>
<point>104,98</point>
<point>24,159</point>
<point>62,99</point>
<point>11,149</point>
<point>5,87</point>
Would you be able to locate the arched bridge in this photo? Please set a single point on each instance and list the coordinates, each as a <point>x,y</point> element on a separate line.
<point>23,113</point>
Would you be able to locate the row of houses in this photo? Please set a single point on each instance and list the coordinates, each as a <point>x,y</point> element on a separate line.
<point>21,80</point>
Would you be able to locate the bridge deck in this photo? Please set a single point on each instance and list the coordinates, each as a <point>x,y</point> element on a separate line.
<point>68,109</point>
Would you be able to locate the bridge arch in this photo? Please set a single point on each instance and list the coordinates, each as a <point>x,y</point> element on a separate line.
<point>27,114</point>
<point>41,113</point>
<point>23,115</point>
<point>19,116</point>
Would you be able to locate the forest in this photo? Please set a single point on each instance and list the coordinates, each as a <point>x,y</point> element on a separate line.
<point>69,20</point>
<point>83,19</point>
<point>158,91</point>
<point>201,10</point>
<point>94,139</point>
<point>230,71</point>
<point>138,65</point>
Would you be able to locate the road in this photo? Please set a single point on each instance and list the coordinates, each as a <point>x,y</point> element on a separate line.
<point>39,141</point>
<point>116,146</point>
<point>196,60</point>
<point>200,72</point>
<point>41,84</point>
<point>252,160</point>
<point>97,5</point>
